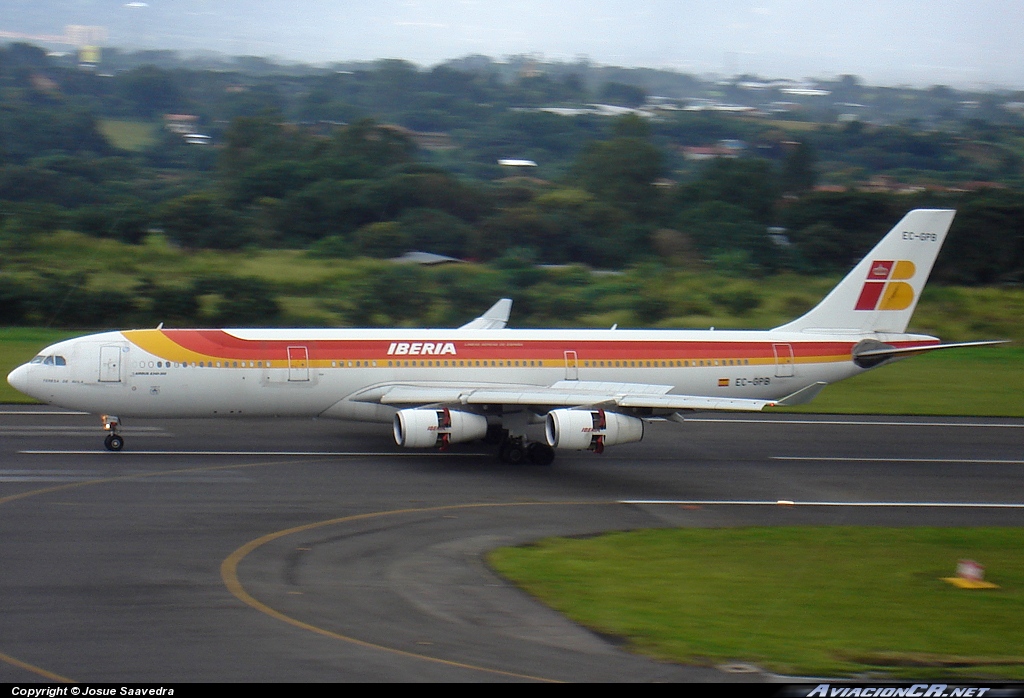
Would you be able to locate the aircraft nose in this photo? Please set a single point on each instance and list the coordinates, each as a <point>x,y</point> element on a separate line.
<point>18,378</point>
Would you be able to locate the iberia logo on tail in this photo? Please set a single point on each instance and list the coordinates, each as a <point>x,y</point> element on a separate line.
<point>886,287</point>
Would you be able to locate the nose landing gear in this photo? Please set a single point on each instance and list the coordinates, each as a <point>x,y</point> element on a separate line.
<point>114,441</point>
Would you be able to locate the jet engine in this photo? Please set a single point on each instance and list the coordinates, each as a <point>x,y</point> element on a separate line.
<point>591,430</point>
<point>425,428</point>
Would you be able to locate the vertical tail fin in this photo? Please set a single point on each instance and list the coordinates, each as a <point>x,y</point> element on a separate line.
<point>881,292</point>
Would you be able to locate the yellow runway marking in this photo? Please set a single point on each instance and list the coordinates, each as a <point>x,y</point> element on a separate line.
<point>229,568</point>
<point>229,573</point>
<point>7,659</point>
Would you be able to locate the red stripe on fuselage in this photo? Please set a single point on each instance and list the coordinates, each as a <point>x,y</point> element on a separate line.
<point>222,345</point>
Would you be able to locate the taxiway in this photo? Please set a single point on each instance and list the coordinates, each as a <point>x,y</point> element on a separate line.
<point>320,551</point>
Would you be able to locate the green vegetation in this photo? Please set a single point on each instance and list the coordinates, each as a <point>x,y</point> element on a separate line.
<point>808,601</point>
<point>104,284</point>
<point>317,176</point>
<point>337,162</point>
<point>66,279</point>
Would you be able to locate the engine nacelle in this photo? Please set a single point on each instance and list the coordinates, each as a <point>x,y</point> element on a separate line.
<point>591,430</point>
<point>425,428</point>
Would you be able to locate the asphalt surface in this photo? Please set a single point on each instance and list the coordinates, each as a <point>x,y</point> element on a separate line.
<point>308,551</point>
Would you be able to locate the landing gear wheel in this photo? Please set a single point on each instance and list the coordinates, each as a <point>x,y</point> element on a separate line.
<point>113,442</point>
<point>512,452</point>
<point>540,453</point>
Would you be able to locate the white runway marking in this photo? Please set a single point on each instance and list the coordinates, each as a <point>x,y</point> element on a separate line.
<point>46,475</point>
<point>856,423</point>
<point>789,503</point>
<point>33,413</point>
<point>348,454</point>
<point>42,478</point>
<point>28,429</point>
<point>861,459</point>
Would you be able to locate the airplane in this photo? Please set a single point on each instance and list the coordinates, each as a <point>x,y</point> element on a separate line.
<point>590,388</point>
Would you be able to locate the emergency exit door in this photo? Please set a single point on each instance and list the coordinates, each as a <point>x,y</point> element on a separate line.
<point>784,361</point>
<point>298,364</point>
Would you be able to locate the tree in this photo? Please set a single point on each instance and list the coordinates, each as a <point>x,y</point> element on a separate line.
<point>435,231</point>
<point>240,301</point>
<point>748,183</point>
<point>388,295</point>
<point>622,94</point>
<point>730,237</point>
<point>623,171</point>
<point>986,242</point>
<point>856,222</point>
<point>150,91</point>
<point>373,146</point>
<point>382,240</point>
<point>798,174</point>
<point>201,220</point>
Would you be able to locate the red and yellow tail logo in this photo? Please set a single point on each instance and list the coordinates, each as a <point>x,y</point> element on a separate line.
<point>886,287</point>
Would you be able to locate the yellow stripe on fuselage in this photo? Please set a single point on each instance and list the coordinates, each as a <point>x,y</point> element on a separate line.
<point>158,344</point>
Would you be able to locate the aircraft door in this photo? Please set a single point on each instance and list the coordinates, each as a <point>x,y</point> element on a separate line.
<point>784,360</point>
<point>572,366</point>
<point>110,364</point>
<point>298,364</point>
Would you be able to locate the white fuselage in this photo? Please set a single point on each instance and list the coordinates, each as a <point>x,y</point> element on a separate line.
<point>318,372</point>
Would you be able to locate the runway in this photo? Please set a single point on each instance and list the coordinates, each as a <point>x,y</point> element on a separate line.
<point>299,550</point>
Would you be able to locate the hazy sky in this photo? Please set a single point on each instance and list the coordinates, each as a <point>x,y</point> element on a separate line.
<point>969,42</point>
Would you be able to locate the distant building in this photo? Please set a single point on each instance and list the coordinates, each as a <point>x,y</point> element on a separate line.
<point>182,124</point>
<point>728,148</point>
<point>427,140</point>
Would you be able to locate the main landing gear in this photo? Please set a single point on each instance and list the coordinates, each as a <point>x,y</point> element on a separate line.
<point>516,450</point>
<point>114,441</point>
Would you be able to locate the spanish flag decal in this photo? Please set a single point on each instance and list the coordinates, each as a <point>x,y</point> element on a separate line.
<point>723,382</point>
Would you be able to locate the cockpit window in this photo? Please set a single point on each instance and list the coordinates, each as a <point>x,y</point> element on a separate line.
<point>52,360</point>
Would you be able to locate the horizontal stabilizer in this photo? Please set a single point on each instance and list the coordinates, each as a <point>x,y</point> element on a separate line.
<point>874,353</point>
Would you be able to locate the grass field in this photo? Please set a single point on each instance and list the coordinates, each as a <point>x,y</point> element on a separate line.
<point>134,136</point>
<point>830,601</point>
<point>983,381</point>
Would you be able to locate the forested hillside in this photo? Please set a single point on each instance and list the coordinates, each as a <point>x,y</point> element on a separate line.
<point>342,166</point>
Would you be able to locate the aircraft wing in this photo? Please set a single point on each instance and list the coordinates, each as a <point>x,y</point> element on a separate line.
<point>560,394</point>
<point>495,318</point>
